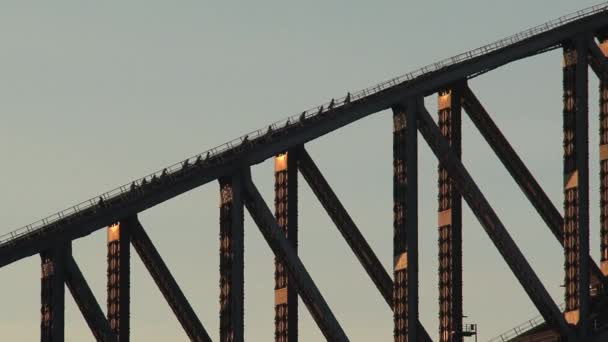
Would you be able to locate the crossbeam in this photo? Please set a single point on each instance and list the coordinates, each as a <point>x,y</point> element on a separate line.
<point>166,283</point>
<point>86,302</point>
<point>520,173</point>
<point>492,224</point>
<point>308,291</point>
<point>349,230</point>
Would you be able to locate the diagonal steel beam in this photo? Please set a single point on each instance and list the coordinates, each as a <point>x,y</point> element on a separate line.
<point>492,225</point>
<point>520,173</point>
<point>166,283</point>
<point>346,226</point>
<point>86,302</point>
<point>306,287</point>
<point>598,61</point>
<point>349,230</point>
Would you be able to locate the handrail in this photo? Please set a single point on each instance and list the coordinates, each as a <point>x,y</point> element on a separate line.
<point>279,125</point>
<point>522,328</point>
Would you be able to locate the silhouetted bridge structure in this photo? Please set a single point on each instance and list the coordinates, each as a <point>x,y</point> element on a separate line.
<point>583,37</point>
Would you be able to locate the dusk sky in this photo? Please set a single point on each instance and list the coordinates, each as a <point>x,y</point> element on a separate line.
<point>96,94</point>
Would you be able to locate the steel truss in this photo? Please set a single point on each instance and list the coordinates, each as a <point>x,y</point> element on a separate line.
<point>229,164</point>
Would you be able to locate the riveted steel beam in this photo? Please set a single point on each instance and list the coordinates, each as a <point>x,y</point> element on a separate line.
<point>286,213</point>
<point>521,174</point>
<point>603,104</point>
<point>260,149</point>
<point>119,279</point>
<point>308,291</point>
<point>492,224</point>
<point>231,259</point>
<point>405,221</point>
<point>349,230</point>
<point>52,294</point>
<point>347,227</point>
<point>576,183</point>
<point>450,221</point>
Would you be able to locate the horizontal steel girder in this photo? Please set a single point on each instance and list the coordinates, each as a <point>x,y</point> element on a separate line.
<point>351,233</point>
<point>520,173</point>
<point>86,302</point>
<point>491,224</point>
<point>258,150</point>
<point>308,291</point>
<point>166,283</point>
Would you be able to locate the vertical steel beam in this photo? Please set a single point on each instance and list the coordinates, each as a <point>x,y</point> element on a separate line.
<point>308,291</point>
<point>52,323</point>
<point>603,102</point>
<point>119,281</point>
<point>411,220</point>
<point>576,183</point>
<point>405,223</point>
<point>286,212</point>
<point>86,302</point>
<point>166,283</point>
<point>450,222</point>
<point>492,225</point>
<point>231,259</point>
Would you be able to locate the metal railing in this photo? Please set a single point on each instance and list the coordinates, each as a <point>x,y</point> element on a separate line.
<point>334,103</point>
<point>522,328</point>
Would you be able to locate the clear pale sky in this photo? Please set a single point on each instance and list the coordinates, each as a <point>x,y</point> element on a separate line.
<point>96,94</point>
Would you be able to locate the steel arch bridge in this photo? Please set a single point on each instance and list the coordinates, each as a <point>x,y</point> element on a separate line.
<point>583,38</point>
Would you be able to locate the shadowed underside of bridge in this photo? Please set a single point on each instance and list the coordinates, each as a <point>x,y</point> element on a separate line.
<point>583,38</point>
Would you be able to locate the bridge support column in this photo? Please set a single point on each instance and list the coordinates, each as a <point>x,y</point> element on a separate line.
<point>119,282</point>
<point>576,184</point>
<point>405,223</point>
<point>286,212</point>
<point>604,162</point>
<point>231,259</point>
<point>52,323</point>
<point>450,223</point>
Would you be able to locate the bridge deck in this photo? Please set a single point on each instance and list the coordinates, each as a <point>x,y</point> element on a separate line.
<point>257,146</point>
